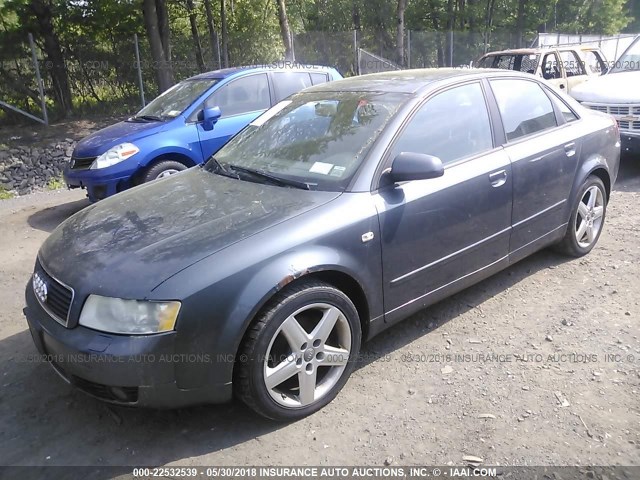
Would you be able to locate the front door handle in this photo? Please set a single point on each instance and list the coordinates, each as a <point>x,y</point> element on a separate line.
<point>498,178</point>
<point>570,149</point>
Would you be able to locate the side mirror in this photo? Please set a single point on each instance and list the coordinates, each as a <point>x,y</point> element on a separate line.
<point>415,166</point>
<point>209,116</point>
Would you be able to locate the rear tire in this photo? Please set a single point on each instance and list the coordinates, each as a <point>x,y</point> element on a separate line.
<point>587,219</point>
<point>298,353</point>
<point>162,169</point>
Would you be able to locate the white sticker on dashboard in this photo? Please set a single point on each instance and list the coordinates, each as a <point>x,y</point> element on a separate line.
<point>338,171</point>
<point>321,167</point>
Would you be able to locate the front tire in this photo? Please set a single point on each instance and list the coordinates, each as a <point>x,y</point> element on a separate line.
<point>162,169</point>
<point>587,219</point>
<point>299,352</point>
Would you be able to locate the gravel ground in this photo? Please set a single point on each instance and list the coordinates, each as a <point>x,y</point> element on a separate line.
<point>538,365</point>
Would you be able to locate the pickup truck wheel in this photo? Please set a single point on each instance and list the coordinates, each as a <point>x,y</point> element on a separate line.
<point>163,169</point>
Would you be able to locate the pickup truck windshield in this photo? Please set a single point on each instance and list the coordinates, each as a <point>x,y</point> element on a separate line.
<point>629,60</point>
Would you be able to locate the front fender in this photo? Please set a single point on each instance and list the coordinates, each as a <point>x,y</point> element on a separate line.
<point>222,294</point>
<point>174,149</point>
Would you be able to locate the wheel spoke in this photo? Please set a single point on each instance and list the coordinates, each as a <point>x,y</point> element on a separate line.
<point>593,194</point>
<point>294,333</point>
<point>581,230</point>
<point>307,386</point>
<point>326,324</point>
<point>598,212</point>
<point>591,234</point>
<point>281,372</point>
<point>583,210</point>
<point>334,357</point>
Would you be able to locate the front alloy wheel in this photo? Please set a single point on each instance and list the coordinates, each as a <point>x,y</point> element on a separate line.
<point>299,353</point>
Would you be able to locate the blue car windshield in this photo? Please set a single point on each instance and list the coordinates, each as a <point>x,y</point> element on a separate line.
<point>316,138</point>
<point>174,101</point>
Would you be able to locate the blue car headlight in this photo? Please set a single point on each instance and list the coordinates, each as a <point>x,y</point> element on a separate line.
<point>115,155</point>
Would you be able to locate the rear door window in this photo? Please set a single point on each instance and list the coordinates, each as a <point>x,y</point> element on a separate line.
<point>318,78</point>
<point>288,83</point>
<point>572,63</point>
<point>524,107</point>
<point>594,63</point>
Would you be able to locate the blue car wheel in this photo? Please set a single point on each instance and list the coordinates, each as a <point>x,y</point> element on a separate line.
<point>163,169</point>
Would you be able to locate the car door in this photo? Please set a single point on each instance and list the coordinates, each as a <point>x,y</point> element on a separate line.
<point>574,68</point>
<point>438,235</point>
<point>544,153</point>
<point>240,101</point>
<point>552,70</point>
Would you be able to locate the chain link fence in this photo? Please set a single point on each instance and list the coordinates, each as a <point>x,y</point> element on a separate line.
<point>113,81</point>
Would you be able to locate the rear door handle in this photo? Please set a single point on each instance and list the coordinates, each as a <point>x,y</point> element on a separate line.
<point>498,178</point>
<point>570,149</point>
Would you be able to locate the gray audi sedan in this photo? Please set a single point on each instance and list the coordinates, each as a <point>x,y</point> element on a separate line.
<point>336,214</point>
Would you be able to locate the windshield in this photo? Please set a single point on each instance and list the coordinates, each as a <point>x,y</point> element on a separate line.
<point>629,60</point>
<point>317,139</point>
<point>174,101</point>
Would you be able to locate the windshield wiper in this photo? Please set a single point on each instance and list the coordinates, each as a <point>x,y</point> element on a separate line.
<point>215,166</point>
<point>150,118</point>
<point>279,180</point>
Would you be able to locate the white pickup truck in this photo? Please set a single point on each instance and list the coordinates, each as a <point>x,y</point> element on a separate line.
<point>618,93</point>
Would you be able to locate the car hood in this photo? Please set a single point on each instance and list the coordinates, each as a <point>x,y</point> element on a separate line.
<point>128,244</point>
<point>610,88</point>
<point>99,142</point>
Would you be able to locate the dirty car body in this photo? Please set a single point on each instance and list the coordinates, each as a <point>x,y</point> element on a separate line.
<point>373,191</point>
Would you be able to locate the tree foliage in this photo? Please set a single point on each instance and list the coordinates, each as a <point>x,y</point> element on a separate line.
<point>87,52</point>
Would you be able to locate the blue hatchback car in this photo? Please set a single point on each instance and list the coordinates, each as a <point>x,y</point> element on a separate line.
<point>176,130</point>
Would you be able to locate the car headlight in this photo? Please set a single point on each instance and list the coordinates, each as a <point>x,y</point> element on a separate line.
<point>115,155</point>
<point>130,317</point>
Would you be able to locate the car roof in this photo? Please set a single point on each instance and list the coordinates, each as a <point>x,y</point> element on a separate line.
<point>532,51</point>
<point>273,67</point>
<point>409,81</point>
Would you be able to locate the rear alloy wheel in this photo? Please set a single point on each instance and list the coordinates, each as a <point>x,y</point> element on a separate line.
<point>586,220</point>
<point>299,353</point>
<point>163,169</point>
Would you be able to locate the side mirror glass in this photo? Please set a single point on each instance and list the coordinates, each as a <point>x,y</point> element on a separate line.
<point>415,166</point>
<point>210,115</point>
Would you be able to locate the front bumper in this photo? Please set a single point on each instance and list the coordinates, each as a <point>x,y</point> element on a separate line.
<point>98,184</point>
<point>120,369</point>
